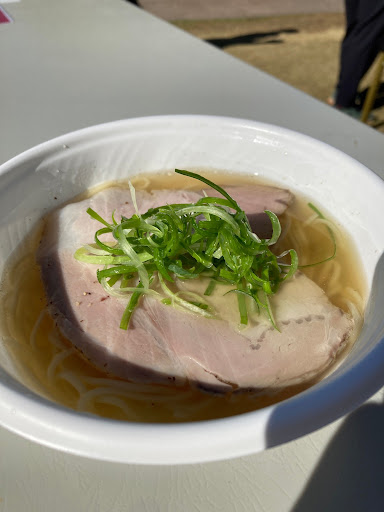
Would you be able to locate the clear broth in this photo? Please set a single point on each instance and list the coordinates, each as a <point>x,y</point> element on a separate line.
<point>47,363</point>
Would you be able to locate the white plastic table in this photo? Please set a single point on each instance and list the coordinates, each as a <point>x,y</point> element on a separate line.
<point>67,65</point>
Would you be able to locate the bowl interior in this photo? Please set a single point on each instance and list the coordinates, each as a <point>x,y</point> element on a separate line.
<point>51,174</point>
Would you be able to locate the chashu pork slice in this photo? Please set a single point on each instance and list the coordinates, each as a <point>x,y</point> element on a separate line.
<point>165,344</point>
<point>254,200</point>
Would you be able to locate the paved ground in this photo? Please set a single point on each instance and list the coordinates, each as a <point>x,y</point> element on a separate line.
<point>298,41</point>
<point>220,9</point>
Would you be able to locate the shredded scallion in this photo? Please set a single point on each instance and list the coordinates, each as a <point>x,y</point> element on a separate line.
<point>211,238</point>
<point>331,235</point>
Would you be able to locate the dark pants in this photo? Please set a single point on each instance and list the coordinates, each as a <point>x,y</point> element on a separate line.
<point>363,40</point>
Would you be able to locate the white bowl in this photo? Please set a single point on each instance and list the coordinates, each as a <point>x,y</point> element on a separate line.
<point>54,172</point>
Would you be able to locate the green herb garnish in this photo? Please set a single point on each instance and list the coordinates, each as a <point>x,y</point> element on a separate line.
<point>211,238</point>
<point>331,235</point>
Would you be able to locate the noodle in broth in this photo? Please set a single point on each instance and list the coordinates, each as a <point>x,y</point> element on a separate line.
<point>52,367</point>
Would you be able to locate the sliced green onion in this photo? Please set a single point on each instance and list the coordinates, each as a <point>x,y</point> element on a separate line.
<point>96,216</point>
<point>212,185</point>
<point>182,273</point>
<point>276,227</point>
<point>129,250</point>
<point>159,262</point>
<point>92,249</point>
<point>130,307</point>
<point>270,313</point>
<point>242,309</point>
<point>112,280</point>
<point>106,258</point>
<point>124,292</point>
<point>212,210</point>
<point>293,266</point>
<point>133,196</point>
<point>211,238</point>
<point>331,234</point>
<point>210,288</point>
<point>181,302</point>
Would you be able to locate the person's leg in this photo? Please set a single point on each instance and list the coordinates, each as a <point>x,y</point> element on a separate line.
<point>351,10</point>
<point>365,26</point>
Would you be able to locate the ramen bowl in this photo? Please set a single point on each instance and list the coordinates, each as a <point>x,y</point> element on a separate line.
<point>53,173</point>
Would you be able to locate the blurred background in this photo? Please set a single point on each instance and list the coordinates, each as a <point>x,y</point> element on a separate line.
<point>297,41</point>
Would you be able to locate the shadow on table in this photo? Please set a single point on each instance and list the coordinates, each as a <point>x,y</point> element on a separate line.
<point>349,476</point>
<point>135,2</point>
<point>254,38</point>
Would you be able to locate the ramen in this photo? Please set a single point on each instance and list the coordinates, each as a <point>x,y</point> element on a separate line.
<point>52,364</point>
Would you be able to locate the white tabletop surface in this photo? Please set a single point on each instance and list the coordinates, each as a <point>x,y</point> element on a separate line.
<point>67,65</point>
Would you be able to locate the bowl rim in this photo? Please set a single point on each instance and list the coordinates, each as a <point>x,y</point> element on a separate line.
<point>50,424</point>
